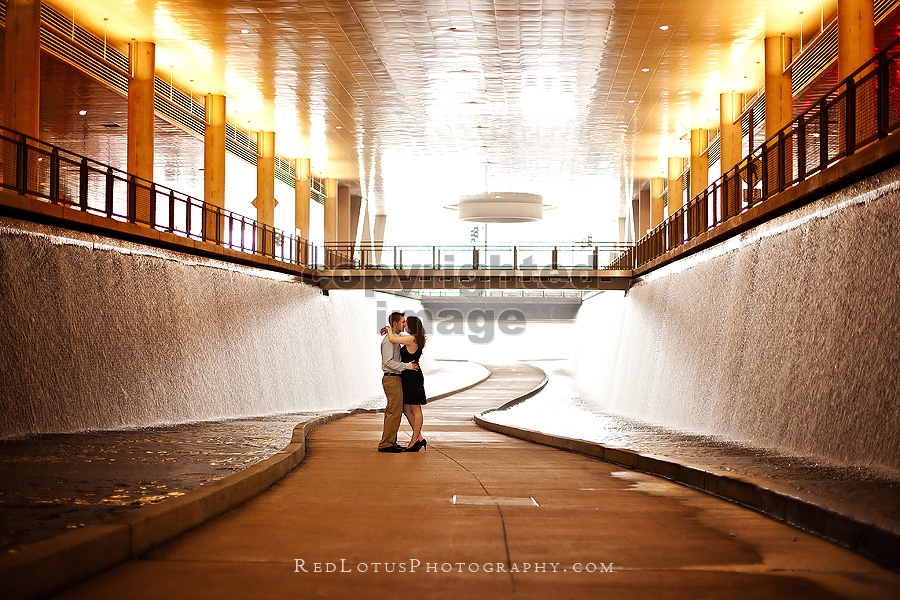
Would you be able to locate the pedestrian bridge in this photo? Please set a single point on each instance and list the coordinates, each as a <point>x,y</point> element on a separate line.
<point>498,267</point>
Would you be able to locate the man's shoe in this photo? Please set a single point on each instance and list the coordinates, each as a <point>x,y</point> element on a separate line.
<point>394,448</point>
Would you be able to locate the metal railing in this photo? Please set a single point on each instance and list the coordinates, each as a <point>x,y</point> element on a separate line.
<point>38,169</point>
<point>41,170</point>
<point>528,293</point>
<point>862,109</point>
<point>526,257</point>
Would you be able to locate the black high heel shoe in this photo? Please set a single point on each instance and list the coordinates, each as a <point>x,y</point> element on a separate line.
<point>421,444</point>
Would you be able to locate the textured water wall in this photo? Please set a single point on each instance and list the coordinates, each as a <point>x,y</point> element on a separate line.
<point>787,336</point>
<point>98,334</point>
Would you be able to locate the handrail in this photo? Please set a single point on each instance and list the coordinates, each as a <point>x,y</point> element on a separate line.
<point>861,109</point>
<point>42,170</point>
<point>51,173</point>
<point>495,257</point>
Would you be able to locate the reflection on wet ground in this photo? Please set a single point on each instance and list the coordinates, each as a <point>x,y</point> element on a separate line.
<point>56,482</point>
<point>52,483</point>
<point>560,409</point>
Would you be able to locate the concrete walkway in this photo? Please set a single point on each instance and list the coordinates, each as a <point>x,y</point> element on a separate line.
<point>481,515</point>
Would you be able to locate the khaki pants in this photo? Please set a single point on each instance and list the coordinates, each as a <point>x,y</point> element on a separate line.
<point>393,389</point>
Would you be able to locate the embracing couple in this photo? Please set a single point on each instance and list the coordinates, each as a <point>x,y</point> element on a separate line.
<point>403,382</point>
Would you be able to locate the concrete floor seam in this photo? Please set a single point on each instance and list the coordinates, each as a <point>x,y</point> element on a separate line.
<point>512,580</point>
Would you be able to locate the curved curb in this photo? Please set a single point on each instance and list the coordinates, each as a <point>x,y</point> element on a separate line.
<point>868,539</point>
<point>521,398</point>
<point>466,387</point>
<point>51,565</point>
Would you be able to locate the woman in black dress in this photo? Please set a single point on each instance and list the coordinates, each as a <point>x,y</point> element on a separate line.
<point>413,381</point>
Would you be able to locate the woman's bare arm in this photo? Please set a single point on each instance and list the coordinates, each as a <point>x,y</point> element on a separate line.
<point>400,339</point>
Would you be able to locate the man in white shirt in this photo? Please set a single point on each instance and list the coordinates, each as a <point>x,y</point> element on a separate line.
<point>393,387</point>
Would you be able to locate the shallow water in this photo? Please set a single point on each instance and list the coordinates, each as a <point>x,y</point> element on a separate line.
<point>55,482</point>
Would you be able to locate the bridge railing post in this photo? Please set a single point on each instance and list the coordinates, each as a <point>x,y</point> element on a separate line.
<point>55,196</point>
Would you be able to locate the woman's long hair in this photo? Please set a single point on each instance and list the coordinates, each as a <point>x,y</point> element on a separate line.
<point>417,330</point>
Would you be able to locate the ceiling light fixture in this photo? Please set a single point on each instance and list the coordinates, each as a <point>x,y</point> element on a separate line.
<point>631,102</point>
<point>245,31</point>
<point>501,207</point>
<point>339,127</point>
<point>82,112</point>
<point>645,70</point>
<point>664,27</point>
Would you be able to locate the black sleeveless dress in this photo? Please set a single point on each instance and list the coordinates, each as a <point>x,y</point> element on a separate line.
<point>413,381</point>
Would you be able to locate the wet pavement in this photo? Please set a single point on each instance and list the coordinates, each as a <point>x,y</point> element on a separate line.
<point>56,482</point>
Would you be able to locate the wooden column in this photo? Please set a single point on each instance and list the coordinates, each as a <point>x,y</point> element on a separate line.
<point>214,168</point>
<point>657,208</point>
<point>265,177</point>
<point>331,218</point>
<point>302,197</point>
<point>779,98</point>
<point>730,135</point>
<point>637,232</point>
<point>856,35</point>
<point>22,67</point>
<point>676,189</point>
<point>343,216</point>
<point>214,151</point>
<point>142,74</point>
<point>642,217</point>
<point>699,161</point>
<point>265,190</point>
